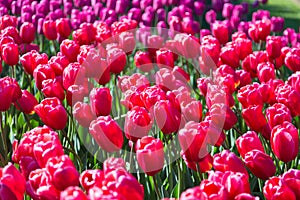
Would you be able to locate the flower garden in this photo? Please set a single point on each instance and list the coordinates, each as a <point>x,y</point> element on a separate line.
<point>148,99</point>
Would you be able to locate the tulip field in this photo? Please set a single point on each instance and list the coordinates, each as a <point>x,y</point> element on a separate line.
<point>149,99</point>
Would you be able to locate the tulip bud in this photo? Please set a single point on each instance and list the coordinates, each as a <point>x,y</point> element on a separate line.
<point>164,58</point>
<point>248,142</point>
<point>51,109</point>
<point>107,133</point>
<point>260,164</point>
<point>49,30</point>
<point>137,123</point>
<point>101,101</point>
<point>26,103</point>
<point>63,27</point>
<point>150,155</point>
<point>117,60</point>
<point>27,32</point>
<point>285,141</point>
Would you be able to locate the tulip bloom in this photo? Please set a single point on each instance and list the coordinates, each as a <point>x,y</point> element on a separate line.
<point>150,155</point>
<point>10,92</point>
<point>63,27</point>
<point>10,53</point>
<point>167,117</point>
<point>285,141</point>
<point>51,109</point>
<point>260,164</point>
<point>137,123</point>
<point>143,61</point>
<point>276,188</point>
<point>70,49</point>
<point>292,180</point>
<point>117,60</point>
<point>277,114</point>
<point>101,101</point>
<point>63,172</point>
<point>27,32</point>
<point>53,88</point>
<point>32,59</point>
<point>49,30</point>
<point>42,73</point>
<point>248,142</point>
<point>164,58</point>
<point>107,133</point>
<point>73,192</point>
<point>26,103</point>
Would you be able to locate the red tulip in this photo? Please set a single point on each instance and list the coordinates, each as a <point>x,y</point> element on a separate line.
<point>10,92</point>
<point>260,164</point>
<point>292,59</point>
<point>53,88</point>
<point>164,58</point>
<point>117,60</point>
<point>151,95</point>
<point>285,141</point>
<point>191,194</point>
<point>203,166</point>
<point>13,33</point>
<point>276,188</point>
<point>248,142</point>
<point>265,71</point>
<point>127,41</point>
<point>41,73</point>
<point>245,196</point>
<point>8,20</point>
<point>90,178</point>
<point>137,123</point>
<point>12,183</point>
<point>221,32</point>
<point>243,46</point>
<point>73,192</point>
<point>228,161</point>
<point>228,56</point>
<point>63,27</point>
<point>192,139</point>
<point>167,117</point>
<point>244,77</point>
<point>51,109</point>
<point>111,164</point>
<point>292,180</point>
<point>210,189</point>
<point>137,80</point>
<point>73,74</point>
<point>256,120</point>
<point>26,103</point>
<point>70,49</point>
<point>10,54</point>
<point>192,111</point>
<point>86,34</point>
<point>222,116</point>
<point>32,59</point>
<point>27,32</point>
<point>143,61</point>
<point>277,114</point>
<point>63,172</point>
<point>288,96</point>
<point>49,29</point>
<point>150,155</point>
<point>107,133</point>
<point>273,46</point>
<point>101,101</point>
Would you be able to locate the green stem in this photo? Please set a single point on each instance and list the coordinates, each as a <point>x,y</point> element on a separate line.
<point>156,187</point>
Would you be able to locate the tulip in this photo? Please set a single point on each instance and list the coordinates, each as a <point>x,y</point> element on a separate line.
<point>53,88</point>
<point>276,188</point>
<point>41,73</point>
<point>127,42</point>
<point>243,47</point>
<point>150,155</point>
<point>194,193</point>
<point>221,32</point>
<point>73,74</point>
<point>27,32</point>
<point>49,30</point>
<point>101,101</point>
<point>245,196</point>
<point>255,119</point>
<point>273,46</point>
<point>73,192</point>
<point>260,164</point>
<point>164,58</point>
<point>288,96</point>
<point>70,49</point>
<point>285,141</point>
<point>51,109</point>
<point>292,60</point>
<point>32,59</point>
<point>117,60</point>
<point>10,92</point>
<point>292,180</point>
<point>63,172</point>
<point>266,71</point>
<point>210,189</point>
<point>228,161</point>
<point>151,95</point>
<point>228,56</point>
<point>137,123</point>
<point>111,164</point>
<point>26,103</point>
<point>192,140</point>
<point>244,77</point>
<point>63,27</point>
<point>90,178</point>
<point>7,20</point>
<point>277,114</point>
<point>277,24</point>
<point>210,16</point>
<point>10,54</point>
<point>167,117</point>
<point>12,183</point>
<point>192,111</point>
<point>107,133</point>
<point>203,166</point>
<point>143,61</point>
<point>248,142</point>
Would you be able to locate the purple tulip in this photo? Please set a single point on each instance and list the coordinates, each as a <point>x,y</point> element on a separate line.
<point>42,7</point>
<point>217,5</point>
<point>184,11</point>
<point>40,25</point>
<point>68,8</point>
<point>199,8</point>
<point>16,8</point>
<point>227,10</point>
<point>111,4</point>
<point>234,22</point>
<point>54,5</point>
<point>157,4</point>
<point>121,6</point>
<point>260,14</point>
<point>255,4</point>
<point>187,3</point>
<point>135,3</point>
<point>161,14</point>
<point>291,36</point>
<point>173,2</point>
<point>135,14</point>
<point>3,11</point>
<point>277,24</point>
<point>210,16</point>
<point>237,11</point>
<point>145,3</point>
<point>243,26</point>
<point>245,7</point>
<point>162,29</point>
<point>97,8</point>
